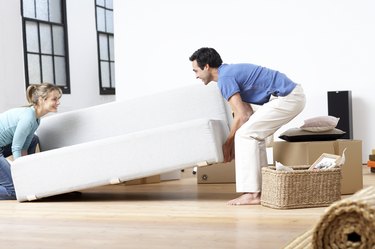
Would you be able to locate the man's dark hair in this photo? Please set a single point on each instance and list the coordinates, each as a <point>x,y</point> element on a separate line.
<point>205,56</point>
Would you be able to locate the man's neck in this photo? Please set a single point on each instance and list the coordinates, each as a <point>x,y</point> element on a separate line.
<point>215,74</point>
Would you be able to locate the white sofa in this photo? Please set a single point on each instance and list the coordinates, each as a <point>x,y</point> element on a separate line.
<point>124,140</point>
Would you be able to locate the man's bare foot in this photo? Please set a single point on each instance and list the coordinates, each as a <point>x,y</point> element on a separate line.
<point>246,199</point>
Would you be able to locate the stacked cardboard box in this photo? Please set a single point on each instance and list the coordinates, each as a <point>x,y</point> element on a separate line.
<point>371,161</point>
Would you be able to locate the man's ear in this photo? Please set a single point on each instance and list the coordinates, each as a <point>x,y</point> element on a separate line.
<point>206,67</point>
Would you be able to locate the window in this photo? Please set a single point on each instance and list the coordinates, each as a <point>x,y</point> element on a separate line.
<point>106,54</point>
<point>46,52</point>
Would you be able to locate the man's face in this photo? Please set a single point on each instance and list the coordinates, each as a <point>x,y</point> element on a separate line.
<point>204,74</point>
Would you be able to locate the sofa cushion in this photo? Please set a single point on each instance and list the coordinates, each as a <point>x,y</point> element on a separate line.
<point>133,115</point>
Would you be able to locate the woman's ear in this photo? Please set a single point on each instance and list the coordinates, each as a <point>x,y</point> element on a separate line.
<point>40,100</point>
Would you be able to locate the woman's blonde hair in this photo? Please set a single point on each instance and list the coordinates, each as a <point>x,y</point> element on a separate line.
<point>36,91</point>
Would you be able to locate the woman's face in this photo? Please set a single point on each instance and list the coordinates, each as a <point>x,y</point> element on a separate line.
<point>51,103</point>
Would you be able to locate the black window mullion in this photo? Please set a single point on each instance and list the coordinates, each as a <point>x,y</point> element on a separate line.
<point>35,9</point>
<point>53,55</point>
<point>48,12</point>
<point>109,61</point>
<point>40,53</point>
<point>105,19</point>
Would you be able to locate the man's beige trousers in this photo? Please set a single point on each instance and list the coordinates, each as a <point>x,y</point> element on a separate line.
<point>250,146</point>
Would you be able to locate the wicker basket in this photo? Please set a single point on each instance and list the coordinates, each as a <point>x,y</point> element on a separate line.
<point>300,188</point>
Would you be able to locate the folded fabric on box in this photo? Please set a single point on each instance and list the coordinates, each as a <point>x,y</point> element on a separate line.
<point>371,163</point>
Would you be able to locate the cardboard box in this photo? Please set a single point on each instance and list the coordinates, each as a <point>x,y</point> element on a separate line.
<point>173,175</point>
<point>217,173</point>
<point>144,180</point>
<point>306,153</point>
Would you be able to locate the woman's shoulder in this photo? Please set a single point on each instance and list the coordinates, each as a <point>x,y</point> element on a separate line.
<point>26,112</point>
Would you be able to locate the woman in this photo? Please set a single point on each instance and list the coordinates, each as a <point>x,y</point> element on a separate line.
<point>17,128</point>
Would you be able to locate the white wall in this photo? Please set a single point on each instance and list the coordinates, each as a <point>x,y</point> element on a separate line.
<point>83,57</point>
<point>324,45</point>
<point>12,76</point>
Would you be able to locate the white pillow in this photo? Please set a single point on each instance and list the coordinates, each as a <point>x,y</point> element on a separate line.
<point>320,123</point>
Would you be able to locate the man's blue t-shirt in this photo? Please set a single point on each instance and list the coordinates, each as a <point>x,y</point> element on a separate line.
<point>255,84</point>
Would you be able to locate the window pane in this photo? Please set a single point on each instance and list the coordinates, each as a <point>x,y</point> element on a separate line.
<point>104,69</point>
<point>42,10</point>
<point>100,19</point>
<point>109,4</point>
<point>55,10</point>
<point>113,74</point>
<point>33,69</point>
<point>103,47</point>
<point>47,68</point>
<point>28,8</point>
<point>32,40</point>
<point>109,21</point>
<point>111,48</point>
<point>100,2</point>
<point>58,40</point>
<point>60,71</point>
<point>45,38</point>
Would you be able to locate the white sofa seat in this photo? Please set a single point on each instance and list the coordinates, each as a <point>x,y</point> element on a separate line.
<point>120,141</point>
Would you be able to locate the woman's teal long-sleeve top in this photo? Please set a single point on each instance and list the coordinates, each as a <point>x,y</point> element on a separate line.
<point>17,127</point>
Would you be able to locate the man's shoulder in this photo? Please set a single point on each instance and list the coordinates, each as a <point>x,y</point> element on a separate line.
<point>239,67</point>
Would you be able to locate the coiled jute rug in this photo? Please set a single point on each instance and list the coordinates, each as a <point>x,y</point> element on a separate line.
<point>348,223</point>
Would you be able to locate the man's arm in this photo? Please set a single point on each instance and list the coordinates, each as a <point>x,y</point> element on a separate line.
<point>242,112</point>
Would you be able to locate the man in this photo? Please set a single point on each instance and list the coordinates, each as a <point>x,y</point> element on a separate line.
<point>280,101</point>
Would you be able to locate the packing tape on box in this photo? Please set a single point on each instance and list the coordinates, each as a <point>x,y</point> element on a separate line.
<point>204,163</point>
<point>31,197</point>
<point>115,181</point>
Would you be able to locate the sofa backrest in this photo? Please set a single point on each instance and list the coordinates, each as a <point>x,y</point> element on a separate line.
<point>132,115</point>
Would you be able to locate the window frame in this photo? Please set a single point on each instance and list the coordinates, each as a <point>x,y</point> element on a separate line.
<point>66,89</point>
<point>104,90</point>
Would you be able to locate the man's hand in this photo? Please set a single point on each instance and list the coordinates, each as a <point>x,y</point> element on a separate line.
<point>228,151</point>
<point>242,112</point>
